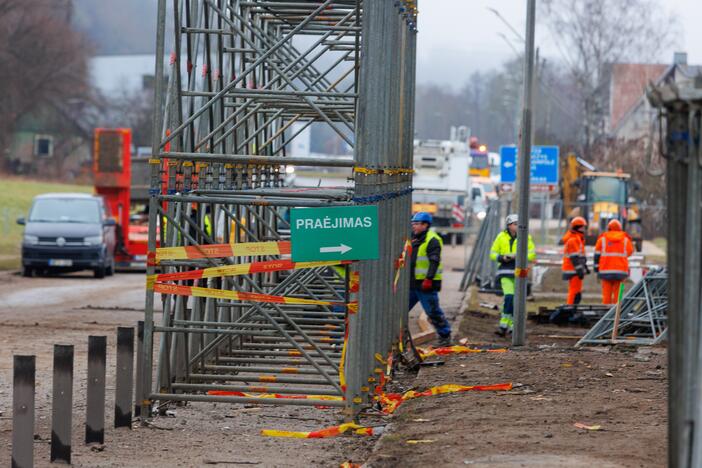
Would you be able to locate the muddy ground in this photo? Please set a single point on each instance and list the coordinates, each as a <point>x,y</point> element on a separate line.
<point>621,390</point>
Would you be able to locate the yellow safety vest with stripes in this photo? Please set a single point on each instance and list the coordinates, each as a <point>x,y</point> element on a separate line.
<point>505,244</point>
<point>422,266</point>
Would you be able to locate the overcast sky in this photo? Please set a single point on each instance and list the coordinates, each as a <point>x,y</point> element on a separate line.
<point>457,37</point>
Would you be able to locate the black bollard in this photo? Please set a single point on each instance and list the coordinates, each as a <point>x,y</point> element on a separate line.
<point>62,404</point>
<point>124,379</point>
<point>23,412</point>
<point>95,412</point>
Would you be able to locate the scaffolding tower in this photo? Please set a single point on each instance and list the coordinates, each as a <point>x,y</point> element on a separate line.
<point>240,321</point>
<point>679,140</point>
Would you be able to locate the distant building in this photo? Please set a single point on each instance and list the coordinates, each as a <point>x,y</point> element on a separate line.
<point>116,74</point>
<point>630,114</point>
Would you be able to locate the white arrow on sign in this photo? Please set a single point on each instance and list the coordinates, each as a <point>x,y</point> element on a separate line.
<point>342,249</point>
<point>508,164</point>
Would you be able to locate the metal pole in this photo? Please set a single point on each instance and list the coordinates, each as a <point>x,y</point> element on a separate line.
<point>62,404</point>
<point>519,334</point>
<point>23,391</point>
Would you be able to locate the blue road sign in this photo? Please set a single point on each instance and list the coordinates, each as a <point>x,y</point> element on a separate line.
<point>544,165</point>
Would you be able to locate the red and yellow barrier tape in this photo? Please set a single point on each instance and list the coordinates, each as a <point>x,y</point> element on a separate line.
<point>386,171</point>
<point>391,401</point>
<point>243,269</point>
<point>349,464</point>
<point>244,249</point>
<point>275,395</point>
<point>425,353</point>
<point>401,262</point>
<point>197,291</point>
<point>322,433</point>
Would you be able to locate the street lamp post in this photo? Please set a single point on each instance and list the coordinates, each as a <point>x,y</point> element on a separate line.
<point>524,166</point>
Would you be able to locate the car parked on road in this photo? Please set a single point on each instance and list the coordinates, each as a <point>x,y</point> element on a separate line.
<point>68,232</point>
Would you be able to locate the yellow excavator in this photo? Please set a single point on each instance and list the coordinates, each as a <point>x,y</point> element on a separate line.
<point>600,197</point>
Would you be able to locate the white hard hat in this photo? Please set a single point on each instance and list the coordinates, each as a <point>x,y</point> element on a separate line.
<point>511,219</point>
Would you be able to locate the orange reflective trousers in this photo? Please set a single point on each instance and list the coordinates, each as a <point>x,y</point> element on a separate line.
<point>575,287</point>
<point>610,291</point>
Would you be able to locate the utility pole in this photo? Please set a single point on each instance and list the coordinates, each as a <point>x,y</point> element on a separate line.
<point>524,166</point>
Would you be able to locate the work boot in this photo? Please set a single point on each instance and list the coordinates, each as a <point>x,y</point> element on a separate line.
<point>501,331</point>
<point>444,341</point>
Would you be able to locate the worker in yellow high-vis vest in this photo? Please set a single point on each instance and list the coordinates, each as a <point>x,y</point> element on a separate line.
<point>504,252</point>
<point>425,274</point>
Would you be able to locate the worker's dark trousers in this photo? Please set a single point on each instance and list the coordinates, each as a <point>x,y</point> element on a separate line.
<point>430,304</point>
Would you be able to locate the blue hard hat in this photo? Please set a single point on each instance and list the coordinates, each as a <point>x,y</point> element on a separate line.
<point>422,217</point>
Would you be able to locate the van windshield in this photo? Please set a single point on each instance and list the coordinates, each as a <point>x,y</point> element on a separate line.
<point>65,210</point>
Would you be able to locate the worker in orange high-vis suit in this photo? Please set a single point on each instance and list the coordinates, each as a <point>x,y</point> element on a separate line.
<point>574,259</point>
<point>612,252</point>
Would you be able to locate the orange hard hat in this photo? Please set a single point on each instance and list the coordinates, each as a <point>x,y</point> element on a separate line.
<point>577,222</point>
<point>614,225</point>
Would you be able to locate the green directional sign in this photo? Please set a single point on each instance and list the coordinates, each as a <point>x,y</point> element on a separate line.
<point>335,233</point>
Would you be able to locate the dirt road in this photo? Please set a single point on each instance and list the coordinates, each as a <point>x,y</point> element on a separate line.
<point>37,313</point>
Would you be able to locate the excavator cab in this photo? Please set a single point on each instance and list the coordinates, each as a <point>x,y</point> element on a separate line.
<point>605,196</point>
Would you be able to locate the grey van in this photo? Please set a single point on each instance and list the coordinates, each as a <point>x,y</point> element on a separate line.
<point>68,232</point>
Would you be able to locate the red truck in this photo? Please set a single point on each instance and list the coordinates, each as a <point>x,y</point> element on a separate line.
<point>122,180</point>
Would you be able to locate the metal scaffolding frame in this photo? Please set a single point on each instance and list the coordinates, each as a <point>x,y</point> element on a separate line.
<point>679,138</point>
<point>480,269</point>
<point>246,77</point>
<point>643,314</point>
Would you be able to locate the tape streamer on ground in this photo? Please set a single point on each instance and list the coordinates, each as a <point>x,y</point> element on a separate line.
<point>444,351</point>
<point>275,395</point>
<point>326,432</point>
<point>391,401</point>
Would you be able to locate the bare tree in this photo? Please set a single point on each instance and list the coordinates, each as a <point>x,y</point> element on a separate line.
<point>129,109</point>
<point>43,62</point>
<point>593,34</point>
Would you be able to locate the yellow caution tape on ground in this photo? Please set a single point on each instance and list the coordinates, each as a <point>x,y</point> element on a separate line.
<point>275,395</point>
<point>391,401</point>
<point>425,353</point>
<point>322,433</point>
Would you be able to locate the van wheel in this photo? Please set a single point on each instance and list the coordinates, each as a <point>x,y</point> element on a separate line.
<point>99,272</point>
<point>27,272</point>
